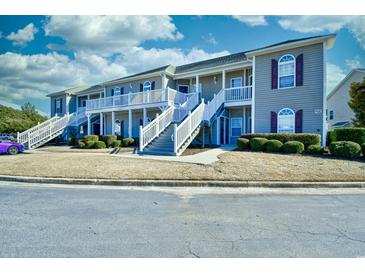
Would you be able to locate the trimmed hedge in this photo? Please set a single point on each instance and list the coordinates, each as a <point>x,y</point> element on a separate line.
<point>306,138</point>
<point>71,141</point>
<point>293,147</point>
<point>258,144</point>
<point>128,142</point>
<point>89,144</point>
<point>81,144</point>
<point>116,143</point>
<point>109,139</point>
<point>92,138</point>
<point>352,134</point>
<point>99,145</point>
<point>243,143</point>
<point>273,146</point>
<point>346,149</point>
<point>315,150</point>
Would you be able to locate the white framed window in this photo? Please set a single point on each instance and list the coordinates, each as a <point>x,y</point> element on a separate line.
<point>286,71</point>
<point>58,106</point>
<point>147,86</point>
<point>331,114</point>
<point>236,126</point>
<point>117,91</point>
<point>286,121</point>
<point>236,82</point>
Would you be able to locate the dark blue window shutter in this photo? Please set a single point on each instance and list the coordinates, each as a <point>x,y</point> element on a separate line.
<point>274,122</point>
<point>55,106</point>
<point>121,90</point>
<point>140,87</point>
<point>299,70</point>
<point>299,121</point>
<point>153,85</point>
<point>112,92</point>
<point>61,111</point>
<point>274,74</point>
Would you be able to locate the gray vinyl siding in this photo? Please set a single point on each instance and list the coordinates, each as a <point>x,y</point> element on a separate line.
<point>338,102</point>
<point>53,110</point>
<point>134,86</point>
<point>308,97</point>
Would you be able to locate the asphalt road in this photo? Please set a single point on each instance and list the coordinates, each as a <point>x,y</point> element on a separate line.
<point>55,221</point>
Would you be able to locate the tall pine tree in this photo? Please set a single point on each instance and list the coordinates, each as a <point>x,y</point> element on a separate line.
<point>357,103</point>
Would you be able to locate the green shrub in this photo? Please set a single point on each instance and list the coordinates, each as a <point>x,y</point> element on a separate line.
<point>306,138</point>
<point>81,144</point>
<point>345,149</point>
<point>273,146</point>
<point>352,134</point>
<point>293,147</point>
<point>109,139</point>
<point>99,144</point>
<point>363,149</point>
<point>128,142</point>
<point>71,141</point>
<point>243,143</point>
<point>89,144</point>
<point>330,137</point>
<point>315,150</point>
<point>92,138</point>
<point>258,144</point>
<point>116,143</point>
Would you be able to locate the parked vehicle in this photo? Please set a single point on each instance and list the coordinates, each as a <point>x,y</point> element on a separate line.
<point>11,148</point>
<point>4,136</point>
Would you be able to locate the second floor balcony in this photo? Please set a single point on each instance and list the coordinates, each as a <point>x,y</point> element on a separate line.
<point>153,98</point>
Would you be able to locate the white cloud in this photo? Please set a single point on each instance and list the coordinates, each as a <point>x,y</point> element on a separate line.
<point>139,59</point>
<point>23,36</point>
<point>334,75</point>
<point>354,63</point>
<point>210,39</point>
<point>251,20</point>
<point>106,35</point>
<point>315,23</point>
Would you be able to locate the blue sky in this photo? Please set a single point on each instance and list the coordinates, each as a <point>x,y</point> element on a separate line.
<point>40,55</point>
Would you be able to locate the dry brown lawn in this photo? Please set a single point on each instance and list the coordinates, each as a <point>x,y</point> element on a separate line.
<point>233,165</point>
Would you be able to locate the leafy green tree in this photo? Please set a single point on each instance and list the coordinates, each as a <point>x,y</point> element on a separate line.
<point>13,120</point>
<point>357,102</point>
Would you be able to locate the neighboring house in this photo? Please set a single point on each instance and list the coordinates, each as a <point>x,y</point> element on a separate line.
<point>339,114</point>
<point>278,88</point>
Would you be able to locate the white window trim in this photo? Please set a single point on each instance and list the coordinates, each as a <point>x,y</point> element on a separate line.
<point>183,86</point>
<point>231,128</point>
<point>277,126</point>
<point>149,83</point>
<point>234,78</point>
<point>295,69</point>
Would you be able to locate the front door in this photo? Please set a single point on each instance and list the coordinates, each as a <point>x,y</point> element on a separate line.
<point>221,130</point>
<point>236,82</point>
<point>96,129</point>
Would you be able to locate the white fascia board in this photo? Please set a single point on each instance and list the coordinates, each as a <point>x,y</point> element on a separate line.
<point>136,78</point>
<point>330,39</point>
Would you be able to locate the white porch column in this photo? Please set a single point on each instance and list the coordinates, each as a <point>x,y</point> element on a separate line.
<point>223,79</point>
<point>144,116</point>
<point>244,78</point>
<point>218,130</point>
<point>244,120</point>
<point>113,122</point>
<point>68,99</point>
<point>197,83</point>
<point>88,124</point>
<point>130,123</point>
<point>253,95</point>
<point>164,80</point>
<point>101,123</point>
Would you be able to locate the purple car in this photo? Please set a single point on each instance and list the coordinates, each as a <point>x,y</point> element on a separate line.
<point>11,148</point>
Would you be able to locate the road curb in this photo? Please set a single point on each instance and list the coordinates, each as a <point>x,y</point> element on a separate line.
<point>182,183</point>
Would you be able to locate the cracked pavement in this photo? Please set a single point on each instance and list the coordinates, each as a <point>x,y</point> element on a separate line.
<point>100,221</point>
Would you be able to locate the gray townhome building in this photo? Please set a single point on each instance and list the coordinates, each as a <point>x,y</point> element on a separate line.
<point>277,88</point>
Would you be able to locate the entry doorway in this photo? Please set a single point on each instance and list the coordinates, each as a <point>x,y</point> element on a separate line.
<point>224,130</point>
<point>183,88</point>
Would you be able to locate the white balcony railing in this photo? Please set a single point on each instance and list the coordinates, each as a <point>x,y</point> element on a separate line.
<point>137,98</point>
<point>238,94</point>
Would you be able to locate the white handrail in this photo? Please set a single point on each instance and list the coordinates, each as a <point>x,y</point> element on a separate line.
<point>155,127</point>
<point>212,106</point>
<point>182,110</point>
<point>47,132</point>
<point>23,137</point>
<point>187,127</point>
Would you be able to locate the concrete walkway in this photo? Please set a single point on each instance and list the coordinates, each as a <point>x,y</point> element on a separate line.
<point>204,158</point>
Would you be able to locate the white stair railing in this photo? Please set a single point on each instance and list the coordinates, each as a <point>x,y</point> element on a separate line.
<point>23,137</point>
<point>47,133</point>
<point>182,110</point>
<point>213,105</point>
<point>187,127</point>
<point>155,127</point>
